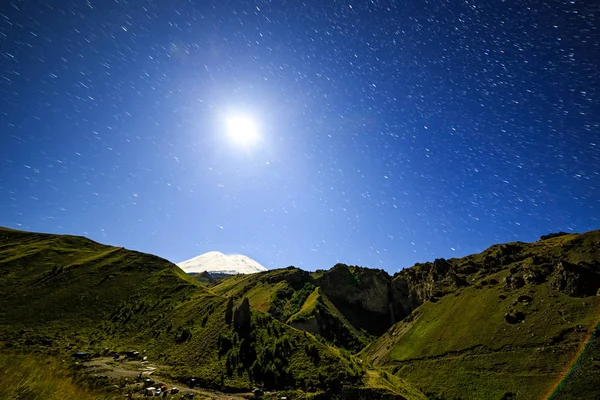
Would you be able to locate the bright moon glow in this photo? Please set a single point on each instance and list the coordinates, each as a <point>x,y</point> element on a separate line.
<point>242,130</point>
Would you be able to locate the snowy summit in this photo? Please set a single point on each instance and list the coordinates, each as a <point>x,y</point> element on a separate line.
<point>217,262</point>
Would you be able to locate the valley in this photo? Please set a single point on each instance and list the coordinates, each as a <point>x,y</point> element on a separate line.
<point>519,320</point>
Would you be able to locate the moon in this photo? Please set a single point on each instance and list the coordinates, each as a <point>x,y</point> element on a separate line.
<point>242,130</point>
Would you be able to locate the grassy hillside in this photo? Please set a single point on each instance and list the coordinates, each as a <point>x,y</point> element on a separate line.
<point>513,327</point>
<point>63,294</point>
<point>31,377</point>
<point>290,295</point>
<point>268,290</point>
<point>320,315</point>
<point>584,373</point>
<point>519,319</point>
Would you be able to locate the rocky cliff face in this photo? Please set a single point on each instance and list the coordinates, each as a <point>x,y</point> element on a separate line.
<point>429,281</point>
<point>568,262</point>
<point>363,295</point>
<point>363,287</point>
<point>373,300</point>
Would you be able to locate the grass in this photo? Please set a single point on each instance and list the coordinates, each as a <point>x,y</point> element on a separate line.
<point>389,382</point>
<point>25,376</point>
<point>62,294</point>
<point>476,317</point>
<point>308,307</point>
<point>584,372</point>
<point>461,346</point>
<point>291,296</point>
<point>320,316</point>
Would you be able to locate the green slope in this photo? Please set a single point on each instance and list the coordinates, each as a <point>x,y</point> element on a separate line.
<point>290,295</point>
<point>62,294</point>
<point>273,291</point>
<point>515,328</point>
<point>319,316</point>
<point>36,377</point>
<point>510,321</point>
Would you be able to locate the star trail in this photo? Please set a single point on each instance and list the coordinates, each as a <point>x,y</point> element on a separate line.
<point>382,133</point>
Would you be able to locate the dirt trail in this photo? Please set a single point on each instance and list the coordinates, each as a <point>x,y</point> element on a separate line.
<point>131,370</point>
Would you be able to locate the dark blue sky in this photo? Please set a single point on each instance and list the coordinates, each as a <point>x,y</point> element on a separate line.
<point>390,132</point>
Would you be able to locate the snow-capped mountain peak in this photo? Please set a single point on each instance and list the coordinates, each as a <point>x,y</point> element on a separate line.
<point>217,262</point>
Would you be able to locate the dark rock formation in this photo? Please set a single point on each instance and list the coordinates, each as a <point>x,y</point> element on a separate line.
<point>242,316</point>
<point>533,277</point>
<point>229,311</point>
<point>410,290</point>
<point>514,318</point>
<point>426,282</point>
<point>367,287</point>
<point>514,282</point>
<point>458,281</point>
<point>440,268</point>
<point>575,280</point>
<point>468,268</point>
<point>361,294</point>
<point>295,277</point>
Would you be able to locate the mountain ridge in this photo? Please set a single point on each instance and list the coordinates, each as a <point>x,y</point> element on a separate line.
<point>63,294</point>
<point>504,323</point>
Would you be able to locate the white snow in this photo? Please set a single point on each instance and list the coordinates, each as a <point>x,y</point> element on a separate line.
<point>217,262</point>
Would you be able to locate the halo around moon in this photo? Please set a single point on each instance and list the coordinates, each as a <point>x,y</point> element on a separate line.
<point>242,130</point>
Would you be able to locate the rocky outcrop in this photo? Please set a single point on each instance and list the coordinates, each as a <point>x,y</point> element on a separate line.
<point>361,294</point>
<point>410,290</point>
<point>371,300</point>
<point>413,286</point>
<point>242,316</point>
<point>578,280</point>
<point>533,276</point>
<point>295,277</point>
<point>514,281</point>
<point>514,318</point>
<point>368,288</point>
<point>229,311</point>
<point>553,235</point>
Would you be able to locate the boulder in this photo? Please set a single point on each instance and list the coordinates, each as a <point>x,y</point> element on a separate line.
<point>514,318</point>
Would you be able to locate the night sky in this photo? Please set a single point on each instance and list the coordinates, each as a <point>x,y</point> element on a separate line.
<point>387,132</point>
